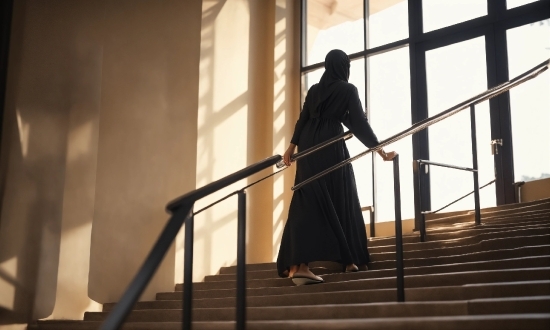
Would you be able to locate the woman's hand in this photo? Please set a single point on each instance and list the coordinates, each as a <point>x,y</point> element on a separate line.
<point>289,152</point>
<point>387,156</point>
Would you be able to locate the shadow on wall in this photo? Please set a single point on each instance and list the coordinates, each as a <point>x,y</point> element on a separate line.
<point>286,106</point>
<point>243,115</point>
<point>220,135</point>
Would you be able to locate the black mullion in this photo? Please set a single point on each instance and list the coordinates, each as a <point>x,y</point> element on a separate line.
<point>491,59</point>
<point>6,11</point>
<point>511,18</point>
<point>365,53</point>
<point>497,66</point>
<point>366,14</point>
<point>525,18</point>
<point>454,38</point>
<point>505,158</point>
<point>419,109</point>
<point>303,32</point>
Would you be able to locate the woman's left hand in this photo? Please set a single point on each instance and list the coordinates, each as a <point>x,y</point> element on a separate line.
<point>289,152</point>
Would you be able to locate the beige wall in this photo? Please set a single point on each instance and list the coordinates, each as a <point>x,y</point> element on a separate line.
<point>147,133</point>
<point>535,190</point>
<point>114,108</point>
<point>99,124</point>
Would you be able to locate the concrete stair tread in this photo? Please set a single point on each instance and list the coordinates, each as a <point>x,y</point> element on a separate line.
<point>441,253</point>
<point>539,304</point>
<point>491,209</point>
<point>496,275</point>
<point>490,217</point>
<point>458,230</point>
<point>509,321</point>
<point>411,281</point>
<point>411,262</point>
<point>444,293</point>
<point>460,241</point>
<point>483,245</point>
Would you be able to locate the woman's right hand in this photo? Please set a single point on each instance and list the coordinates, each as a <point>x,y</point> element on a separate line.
<point>289,152</point>
<point>387,156</point>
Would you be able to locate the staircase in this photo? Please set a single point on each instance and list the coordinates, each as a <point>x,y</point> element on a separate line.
<point>493,276</point>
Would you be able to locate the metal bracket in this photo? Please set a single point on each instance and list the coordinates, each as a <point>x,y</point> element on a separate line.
<point>494,148</point>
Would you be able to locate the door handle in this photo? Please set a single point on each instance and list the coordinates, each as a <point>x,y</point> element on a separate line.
<point>494,146</point>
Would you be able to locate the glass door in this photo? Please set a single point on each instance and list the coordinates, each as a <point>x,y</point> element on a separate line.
<point>455,73</point>
<point>529,45</point>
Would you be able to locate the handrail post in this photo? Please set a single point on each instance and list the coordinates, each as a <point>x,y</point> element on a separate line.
<point>188,274</point>
<point>372,214</point>
<point>398,232</point>
<point>241,262</point>
<point>422,222</point>
<point>474,165</point>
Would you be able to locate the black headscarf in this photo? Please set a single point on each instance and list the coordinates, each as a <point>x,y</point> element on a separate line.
<point>336,69</point>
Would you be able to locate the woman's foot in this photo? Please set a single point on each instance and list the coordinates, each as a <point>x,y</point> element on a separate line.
<point>352,268</point>
<point>302,275</point>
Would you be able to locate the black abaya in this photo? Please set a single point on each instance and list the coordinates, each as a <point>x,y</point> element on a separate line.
<point>325,222</point>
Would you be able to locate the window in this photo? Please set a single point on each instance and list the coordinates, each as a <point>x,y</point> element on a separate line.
<point>446,68</point>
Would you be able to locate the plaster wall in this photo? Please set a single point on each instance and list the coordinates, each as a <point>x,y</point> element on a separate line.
<point>147,132</point>
<point>535,190</point>
<point>99,124</point>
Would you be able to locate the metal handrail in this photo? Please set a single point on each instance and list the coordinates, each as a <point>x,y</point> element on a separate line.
<point>458,199</point>
<point>299,155</point>
<point>181,212</point>
<point>423,124</point>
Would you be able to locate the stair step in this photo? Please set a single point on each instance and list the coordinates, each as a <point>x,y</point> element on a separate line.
<point>430,268</point>
<point>484,245</point>
<point>495,275</point>
<point>411,281</point>
<point>490,216</point>
<point>462,229</point>
<point>505,207</point>
<point>444,293</point>
<point>429,245</point>
<point>471,322</point>
<point>386,260</point>
<point>516,305</point>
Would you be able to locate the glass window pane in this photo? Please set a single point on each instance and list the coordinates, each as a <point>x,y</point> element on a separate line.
<point>516,3</point>
<point>438,14</point>
<point>453,78</point>
<point>389,107</point>
<point>388,21</point>
<point>333,25</point>
<point>528,46</point>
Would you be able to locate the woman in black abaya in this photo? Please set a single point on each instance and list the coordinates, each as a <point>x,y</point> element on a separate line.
<point>325,222</point>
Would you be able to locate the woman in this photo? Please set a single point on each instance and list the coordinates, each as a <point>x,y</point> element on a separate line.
<point>325,222</point>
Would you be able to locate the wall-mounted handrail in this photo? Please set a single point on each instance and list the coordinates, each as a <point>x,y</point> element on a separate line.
<point>181,210</point>
<point>181,207</point>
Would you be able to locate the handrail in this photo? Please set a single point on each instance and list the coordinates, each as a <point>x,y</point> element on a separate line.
<point>181,207</point>
<point>458,199</point>
<point>421,125</point>
<point>210,188</point>
<point>429,162</point>
<point>181,210</point>
<point>297,156</point>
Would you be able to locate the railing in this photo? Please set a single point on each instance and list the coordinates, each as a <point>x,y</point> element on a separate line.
<point>417,168</point>
<point>181,212</point>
